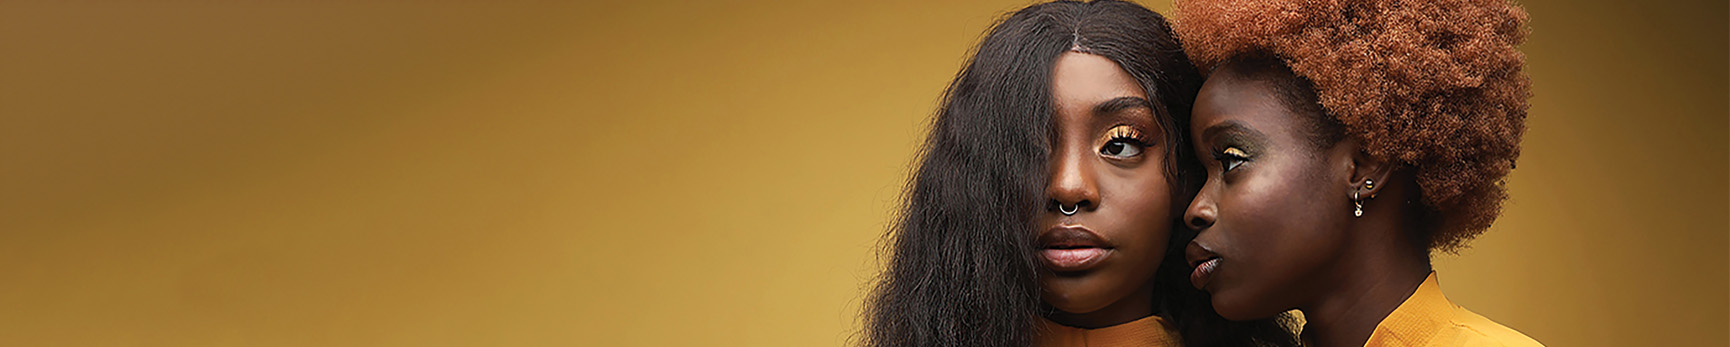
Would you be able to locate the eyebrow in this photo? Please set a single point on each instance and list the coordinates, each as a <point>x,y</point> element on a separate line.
<point>1121,103</point>
<point>1232,128</point>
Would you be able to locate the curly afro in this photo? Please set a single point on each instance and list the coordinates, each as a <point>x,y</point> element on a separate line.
<point>1436,85</point>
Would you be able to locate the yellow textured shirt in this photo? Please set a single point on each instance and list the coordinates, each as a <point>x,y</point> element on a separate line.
<point>1151,331</point>
<point>1429,319</point>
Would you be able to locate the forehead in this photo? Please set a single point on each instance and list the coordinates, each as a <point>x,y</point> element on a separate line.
<point>1227,97</point>
<point>1080,80</point>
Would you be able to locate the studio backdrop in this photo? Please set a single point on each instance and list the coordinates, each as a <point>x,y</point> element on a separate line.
<point>655,173</point>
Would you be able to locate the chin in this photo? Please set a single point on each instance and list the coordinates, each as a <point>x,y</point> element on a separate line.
<point>1225,309</point>
<point>1072,301</point>
<point>1060,303</point>
<point>1236,308</point>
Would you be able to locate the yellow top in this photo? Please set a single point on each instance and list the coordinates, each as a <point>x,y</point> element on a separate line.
<point>1429,319</point>
<point>1151,331</point>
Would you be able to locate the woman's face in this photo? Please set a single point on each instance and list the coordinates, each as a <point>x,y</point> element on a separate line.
<point>1274,208</point>
<point>1106,168</point>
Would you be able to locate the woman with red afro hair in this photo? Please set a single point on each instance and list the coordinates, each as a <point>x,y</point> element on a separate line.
<point>1344,142</point>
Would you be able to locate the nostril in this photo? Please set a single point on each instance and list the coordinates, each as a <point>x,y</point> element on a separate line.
<point>1197,222</point>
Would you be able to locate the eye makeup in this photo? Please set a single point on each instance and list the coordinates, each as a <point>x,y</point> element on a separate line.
<point>1230,158</point>
<point>1123,142</point>
<point>1126,132</point>
<point>1233,144</point>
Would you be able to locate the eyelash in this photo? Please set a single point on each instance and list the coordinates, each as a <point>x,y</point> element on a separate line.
<point>1230,161</point>
<point>1126,135</point>
<point>1124,132</point>
<point>1128,139</point>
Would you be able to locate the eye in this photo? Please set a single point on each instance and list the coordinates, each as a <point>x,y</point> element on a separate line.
<point>1230,158</point>
<point>1124,143</point>
<point>1121,148</point>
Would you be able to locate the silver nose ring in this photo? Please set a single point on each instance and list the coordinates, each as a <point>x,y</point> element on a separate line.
<point>1067,211</point>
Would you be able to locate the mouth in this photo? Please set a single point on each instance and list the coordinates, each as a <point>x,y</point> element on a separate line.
<point>1206,262</point>
<point>1072,248</point>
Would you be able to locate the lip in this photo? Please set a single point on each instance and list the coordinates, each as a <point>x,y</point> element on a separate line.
<point>1072,248</point>
<point>1205,261</point>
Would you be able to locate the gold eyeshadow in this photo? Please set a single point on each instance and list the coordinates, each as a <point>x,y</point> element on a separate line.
<point>1235,152</point>
<point>1124,132</point>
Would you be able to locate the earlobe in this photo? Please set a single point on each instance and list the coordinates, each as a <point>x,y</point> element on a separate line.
<point>1366,175</point>
<point>1369,174</point>
<point>1366,170</point>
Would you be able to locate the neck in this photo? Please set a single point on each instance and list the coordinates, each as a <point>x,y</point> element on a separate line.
<point>1378,271</point>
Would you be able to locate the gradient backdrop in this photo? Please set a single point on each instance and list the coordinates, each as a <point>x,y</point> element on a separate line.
<point>321,173</point>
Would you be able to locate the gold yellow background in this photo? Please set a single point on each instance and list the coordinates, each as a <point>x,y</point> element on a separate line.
<point>321,173</point>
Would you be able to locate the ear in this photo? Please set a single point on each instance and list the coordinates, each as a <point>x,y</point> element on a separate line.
<point>1369,175</point>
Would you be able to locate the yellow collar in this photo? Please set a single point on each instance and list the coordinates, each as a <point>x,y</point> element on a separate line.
<point>1149,331</point>
<point>1417,320</point>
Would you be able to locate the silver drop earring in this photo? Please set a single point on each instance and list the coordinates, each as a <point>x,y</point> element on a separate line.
<point>1358,209</point>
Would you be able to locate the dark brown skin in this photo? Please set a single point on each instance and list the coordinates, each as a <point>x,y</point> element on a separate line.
<point>1280,219</point>
<point>1120,186</point>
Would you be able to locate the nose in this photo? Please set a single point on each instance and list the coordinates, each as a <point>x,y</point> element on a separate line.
<point>1072,185</point>
<point>1202,211</point>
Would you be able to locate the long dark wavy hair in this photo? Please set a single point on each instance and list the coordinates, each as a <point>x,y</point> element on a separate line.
<point>961,269</point>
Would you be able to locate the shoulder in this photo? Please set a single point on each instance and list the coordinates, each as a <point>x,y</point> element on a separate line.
<point>1476,330</point>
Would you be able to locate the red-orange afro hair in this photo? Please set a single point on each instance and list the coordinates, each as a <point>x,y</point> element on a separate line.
<point>1436,85</point>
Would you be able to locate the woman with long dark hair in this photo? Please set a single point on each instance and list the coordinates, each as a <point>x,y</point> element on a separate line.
<point>1045,206</point>
<point>1348,140</point>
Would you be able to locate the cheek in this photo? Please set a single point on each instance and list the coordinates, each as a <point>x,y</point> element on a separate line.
<point>1145,207</point>
<point>1277,219</point>
<point>1283,226</point>
<point>1136,214</point>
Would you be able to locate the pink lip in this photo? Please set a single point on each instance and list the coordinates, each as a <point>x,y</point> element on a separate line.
<point>1205,261</point>
<point>1072,248</point>
<point>1203,273</point>
<point>1071,260</point>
